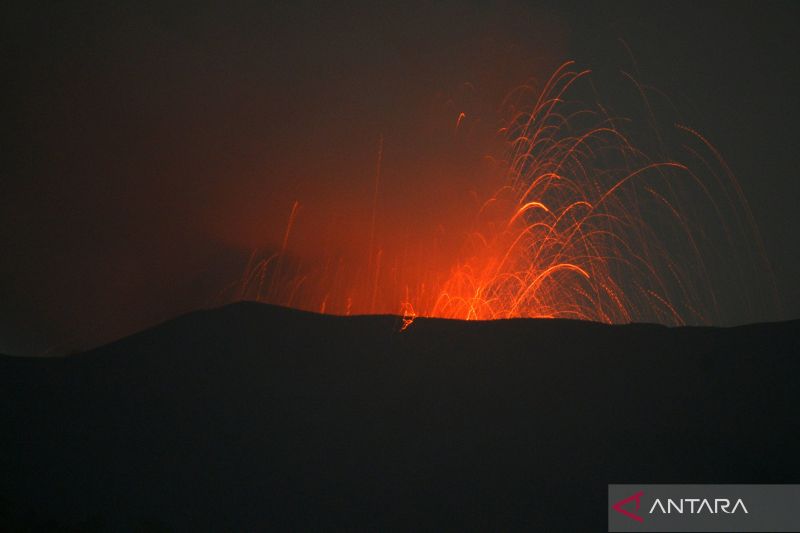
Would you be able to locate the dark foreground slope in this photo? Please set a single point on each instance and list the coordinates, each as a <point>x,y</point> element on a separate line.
<point>252,417</point>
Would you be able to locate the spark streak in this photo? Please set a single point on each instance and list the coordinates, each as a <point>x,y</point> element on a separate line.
<point>575,231</point>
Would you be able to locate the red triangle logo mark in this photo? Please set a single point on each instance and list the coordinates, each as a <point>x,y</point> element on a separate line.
<point>635,498</point>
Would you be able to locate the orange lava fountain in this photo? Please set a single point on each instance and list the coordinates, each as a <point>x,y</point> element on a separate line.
<point>585,226</point>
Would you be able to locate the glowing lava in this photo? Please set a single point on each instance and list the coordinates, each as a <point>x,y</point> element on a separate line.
<point>585,225</point>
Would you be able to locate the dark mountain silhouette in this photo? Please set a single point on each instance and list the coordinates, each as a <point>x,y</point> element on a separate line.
<point>253,417</point>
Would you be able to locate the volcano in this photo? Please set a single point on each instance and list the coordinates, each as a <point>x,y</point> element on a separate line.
<point>256,417</point>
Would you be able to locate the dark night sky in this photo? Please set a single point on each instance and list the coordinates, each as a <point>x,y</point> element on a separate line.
<point>148,147</point>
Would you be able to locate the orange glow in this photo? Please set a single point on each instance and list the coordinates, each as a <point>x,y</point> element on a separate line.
<point>583,225</point>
